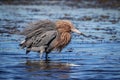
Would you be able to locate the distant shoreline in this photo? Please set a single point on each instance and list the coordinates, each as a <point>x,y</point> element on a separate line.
<point>115,4</point>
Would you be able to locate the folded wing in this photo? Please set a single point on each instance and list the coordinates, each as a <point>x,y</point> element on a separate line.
<point>39,36</point>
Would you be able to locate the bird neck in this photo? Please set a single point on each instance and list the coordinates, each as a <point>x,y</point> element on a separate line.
<point>62,40</point>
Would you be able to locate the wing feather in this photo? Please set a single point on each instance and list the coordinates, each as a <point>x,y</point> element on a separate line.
<point>37,33</point>
<point>44,39</point>
<point>37,28</point>
<point>41,41</point>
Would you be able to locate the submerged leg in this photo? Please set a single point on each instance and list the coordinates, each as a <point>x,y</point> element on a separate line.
<point>41,54</point>
<point>42,50</point>
<point>46,56</point>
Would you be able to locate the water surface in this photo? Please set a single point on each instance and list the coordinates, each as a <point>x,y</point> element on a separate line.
<point>96,57</point>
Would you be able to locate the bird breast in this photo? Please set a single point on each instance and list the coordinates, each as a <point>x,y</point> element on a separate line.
<point>62,40</point>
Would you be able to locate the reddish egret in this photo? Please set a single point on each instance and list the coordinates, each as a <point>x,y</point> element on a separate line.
<point>45,36</point>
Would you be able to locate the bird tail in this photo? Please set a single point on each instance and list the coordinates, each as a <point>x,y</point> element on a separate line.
<point>22,44</point>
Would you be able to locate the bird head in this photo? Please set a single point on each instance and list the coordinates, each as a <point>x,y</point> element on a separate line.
<point>66,26</point>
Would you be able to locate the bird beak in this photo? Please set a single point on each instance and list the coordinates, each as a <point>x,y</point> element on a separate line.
<point>76,31</point>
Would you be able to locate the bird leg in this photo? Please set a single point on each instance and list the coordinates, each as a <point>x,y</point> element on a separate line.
<point>46,56</point>
<point>42,50</point>
<point>41,54</point>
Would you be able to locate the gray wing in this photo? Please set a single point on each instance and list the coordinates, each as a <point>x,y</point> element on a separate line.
<point>40,43</point>
<point>38,28</point>
<point>36,33</point>
<point>44,39</point>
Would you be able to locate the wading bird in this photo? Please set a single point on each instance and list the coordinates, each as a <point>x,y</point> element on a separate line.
<point>45,36</point>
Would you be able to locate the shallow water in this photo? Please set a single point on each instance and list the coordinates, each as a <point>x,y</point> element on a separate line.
<point>96,57</point>
<point>88,61</point>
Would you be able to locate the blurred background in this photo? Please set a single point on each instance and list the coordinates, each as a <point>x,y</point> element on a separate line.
<point>84,58</point>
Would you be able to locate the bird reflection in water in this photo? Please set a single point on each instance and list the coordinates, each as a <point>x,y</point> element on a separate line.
<point>46,65</point>
<point>47,68</point>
